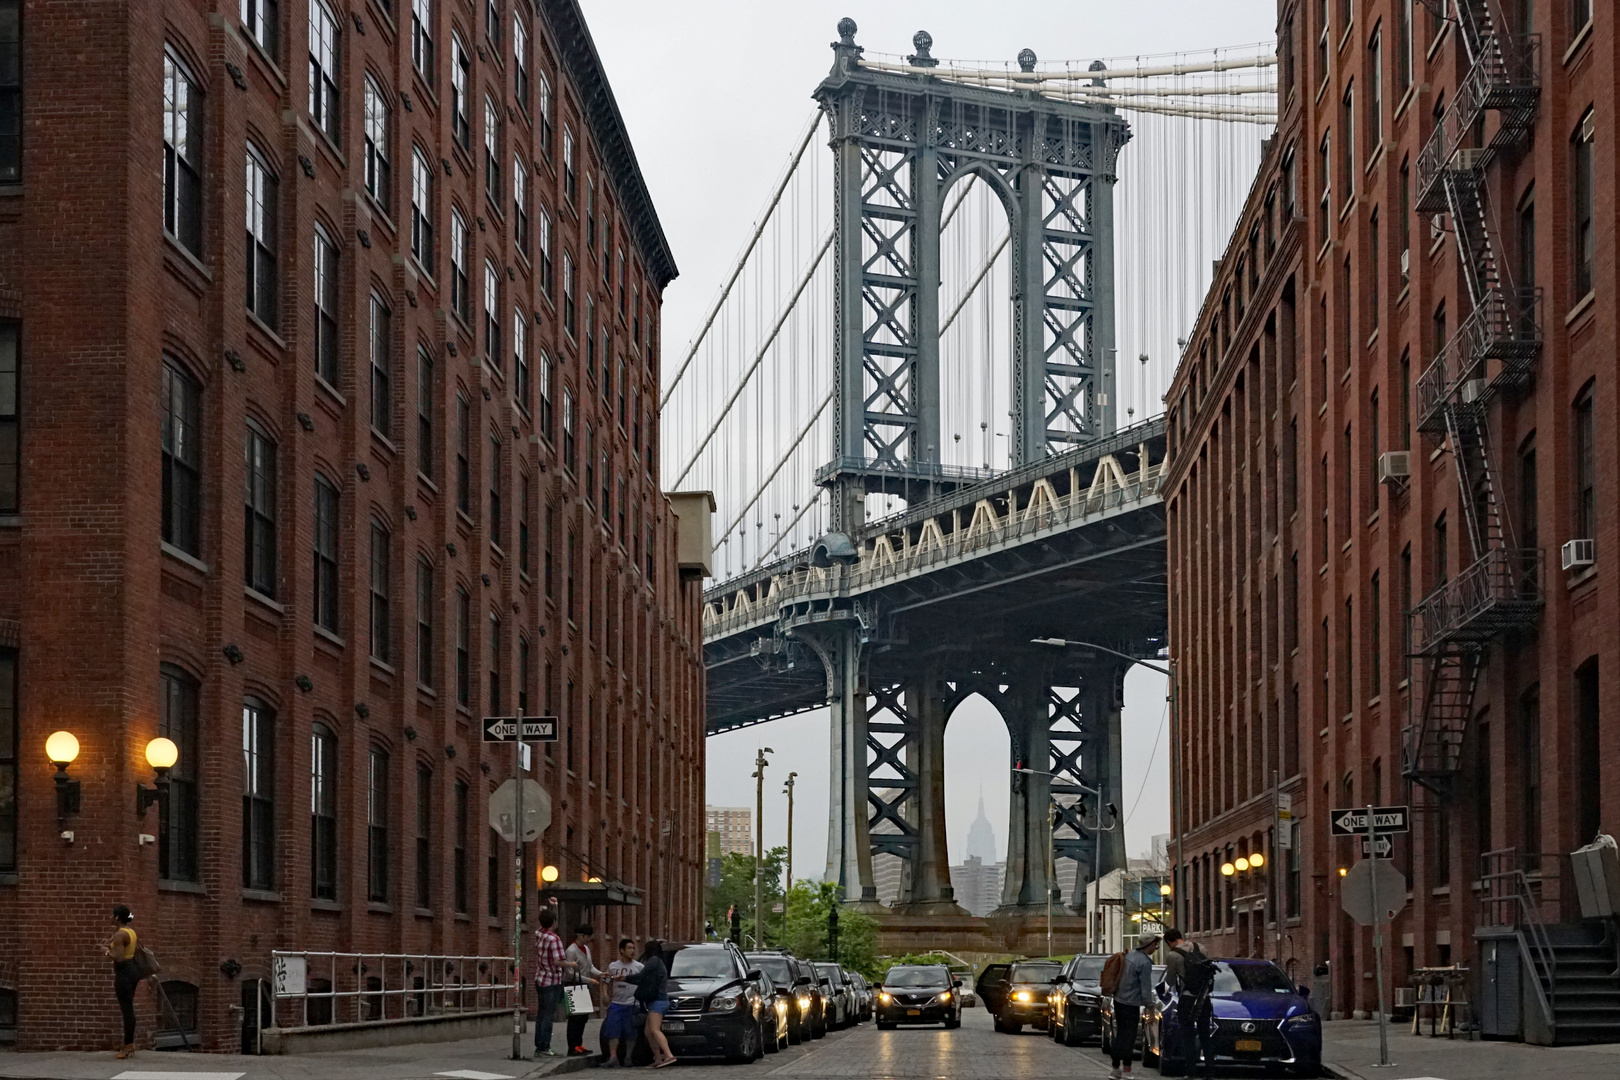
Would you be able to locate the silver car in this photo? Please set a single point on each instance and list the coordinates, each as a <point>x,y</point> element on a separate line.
<point>839,995</point>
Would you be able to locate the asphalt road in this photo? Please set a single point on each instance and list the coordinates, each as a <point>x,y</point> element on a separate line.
<point>972,1051</point>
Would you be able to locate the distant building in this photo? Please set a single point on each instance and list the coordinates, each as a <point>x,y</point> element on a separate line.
<point>735,824</point>
<point>981,838</point>
<point>888,872</point>
<point>977,885</point>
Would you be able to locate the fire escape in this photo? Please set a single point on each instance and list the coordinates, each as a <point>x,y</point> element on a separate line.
<point>1493,352</point>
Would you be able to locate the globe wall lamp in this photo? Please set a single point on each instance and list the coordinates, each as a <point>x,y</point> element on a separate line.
<point>161,754</point>
<point>548,874</point>
<point>62,747</point>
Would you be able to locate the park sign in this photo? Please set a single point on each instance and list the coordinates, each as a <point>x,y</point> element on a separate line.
<point>1352,821</point>
<point>504,729</point>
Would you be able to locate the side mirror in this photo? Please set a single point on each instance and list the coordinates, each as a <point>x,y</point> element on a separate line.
<point>1304,991</point>
<point>803,980</point>
<point>956,984</point>
<point>1056,979</point>
<point>753,975</point>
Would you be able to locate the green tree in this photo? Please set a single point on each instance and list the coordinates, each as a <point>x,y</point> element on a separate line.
<point>737,888</point>
<point>808,904</point>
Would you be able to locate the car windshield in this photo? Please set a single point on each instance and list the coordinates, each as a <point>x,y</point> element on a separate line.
<point>702,964</point>
<point>831,974</point>
<point>1088,968</point>
<point>1231,978</point>
<point>916,976</point>
<point>1033,973</point>
<point>774,966</point>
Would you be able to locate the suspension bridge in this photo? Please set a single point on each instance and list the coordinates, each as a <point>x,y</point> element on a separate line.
<point>926,455</point>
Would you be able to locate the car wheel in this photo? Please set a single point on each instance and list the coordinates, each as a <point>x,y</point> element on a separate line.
<point>952,1025</point>
<point>1015,1027</point>
<point>886,1025</point>
<point>1069,1037</point>
<point>1169,1066</point>
<point>772,1042</point>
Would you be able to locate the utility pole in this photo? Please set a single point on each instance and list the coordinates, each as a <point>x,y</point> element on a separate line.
<point>759,850</point>
<point>787,885</point>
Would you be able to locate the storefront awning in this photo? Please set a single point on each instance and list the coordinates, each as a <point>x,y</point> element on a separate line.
<point>592,893</point>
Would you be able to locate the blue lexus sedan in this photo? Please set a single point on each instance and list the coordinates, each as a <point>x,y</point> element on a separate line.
<point>1259,1020</point>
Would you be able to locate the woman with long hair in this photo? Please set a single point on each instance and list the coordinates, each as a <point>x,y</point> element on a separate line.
<point>652,994</point>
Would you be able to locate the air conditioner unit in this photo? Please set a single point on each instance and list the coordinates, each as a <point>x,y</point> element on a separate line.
<point>1579,553</point>
<point>1470,158</point>
<point>1406,263</point>
<point>1394,466</point>
<point>1472,391</point>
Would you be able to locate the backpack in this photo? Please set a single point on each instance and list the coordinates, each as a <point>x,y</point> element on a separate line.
<point>1111,973</point>
<point>1198,973</point>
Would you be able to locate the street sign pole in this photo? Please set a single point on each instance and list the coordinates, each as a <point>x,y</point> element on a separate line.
<point>517,899</point>
<point>1378,945</point>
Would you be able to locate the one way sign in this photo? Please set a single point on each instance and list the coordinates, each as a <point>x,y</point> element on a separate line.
<point>1384,848</point>
<point>1386,819</point>
<point>505,729</point>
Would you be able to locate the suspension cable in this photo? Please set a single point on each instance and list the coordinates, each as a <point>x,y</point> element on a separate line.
<point>798,441</point>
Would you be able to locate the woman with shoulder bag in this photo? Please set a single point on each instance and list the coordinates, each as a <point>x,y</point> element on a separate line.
<point>652,995</point>
<point>127,974</point>
<point>585,974</point>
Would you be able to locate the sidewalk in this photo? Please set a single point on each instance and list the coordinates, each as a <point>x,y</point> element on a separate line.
<point>1350,1050</point>
<point>472,1059</point>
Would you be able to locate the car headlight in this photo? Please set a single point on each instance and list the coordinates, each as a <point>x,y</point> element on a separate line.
<point>727,1000</point>
<point>781,1007</point>
<point>1082,999</point>
<point>944,997</point>
<point>885,997</point>
<point>804,1002</point>
<point>1023,995</point>
<point>1304,1021</point>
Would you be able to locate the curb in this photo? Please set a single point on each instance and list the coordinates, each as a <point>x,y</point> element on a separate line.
<point>568,1065</point>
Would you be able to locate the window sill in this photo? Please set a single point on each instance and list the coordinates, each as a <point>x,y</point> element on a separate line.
<point>1581,38</point>
<point>1579,578</point>
<point>190,560</point>
<point>262,896</point>
<point>263,601</point>
<point>465,519</point>
<point>317,904</point>
<point>188,260</point>
<point>1582,306</point>
<point>9,878</point>
<point>384,442</point>
<point>1441,890</point>
<point>427,691</point>
<point>1406,99</point>
<point>256,323</point>
<point>169,885</point>
<point>331,391</point>
<point>266,59</point>
<point>423,478</point>
<point>383,666</point>
<point>11,521</point>
<point>379,907</point>
<point>323,632</point>
<point>423,913</point>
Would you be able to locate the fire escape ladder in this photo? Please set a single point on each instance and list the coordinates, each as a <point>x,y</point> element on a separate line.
<point>1432,750</point>
<point>1470,447</point>
<point>1465,201</point>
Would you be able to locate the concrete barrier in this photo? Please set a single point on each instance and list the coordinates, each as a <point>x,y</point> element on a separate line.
<point>449,1027</point>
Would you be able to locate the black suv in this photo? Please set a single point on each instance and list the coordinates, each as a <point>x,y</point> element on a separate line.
<point>1022,998</point>
<point>715,1005</point>
<point>1074,1009</point>
<point>918,994</point>
<point>797,985</point>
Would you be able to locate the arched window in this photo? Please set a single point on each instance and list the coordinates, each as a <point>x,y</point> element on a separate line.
<point>177,824</point>
<point>323,813</point>
<point>258,796</point>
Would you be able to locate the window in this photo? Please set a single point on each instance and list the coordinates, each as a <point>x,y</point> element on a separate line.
<point>381,367</point>
<point>568,429</point>
<point>1373,437</point>
<point>326,554</point>
<point>520,359</point>
<point>546,281</point>
<point>1585,467</point>
<point>324,30</point>
<point>1406,598</point>
<point>1322,41</point>
<point>10,91</point>
<point>460,857</point>
<point>1588,750</point>
<point>569,568</point>
<point>492,317</point>
<point>326,307</point>
<point>182,148</point>
<point>182,460</point>
<point>10,447</point>
<point>590,463</point>
<point>495,532</point>
<point>1324,203</point>
<point>261,21</point>
<point>1529,525</point>
<point>492,23</point>
<point>1347,149</point>
<point>520,60</point>
<point>545,114</point>
<point>1373,298</point>
<point>379,171</point>
<point>258,796</point>
<point>1406,223</point>
<point>463,630</point>
<point>569,323</point>
<point>1403,50</point>
<point>323,770</point>
<point>424,411</point>
<point>523,524</point>
<point>259,512</point>
<point>492,873</point>
<point>1377,643</point>
<point>570,173</point>
<point>545,541</point>
<point>523,676</point>
<point>177,824</point>
<point>492,151</point>
<point>424,836</point>
<point>463,453</point>
<point>424,622</point>
<point>460,301</point>
<point>520,204</point>
<point>590,214</point>
<point>590,338</point>
<point>1526,243</point>
<point>494,702</point>
<point>422,210</point>
<point>1580,13</point>
<point>1530,771</point>
<point>9,743</point>
<point>380,643</point>
<point>546,392</point>
<point>1406,400</point>
<point>261,238</point>
<point>1584,248</point>
<point>422,39</point>
<point>377,827</point>
<point>460,107</point>
<point>1441,574</point>
<point>1375,92</point>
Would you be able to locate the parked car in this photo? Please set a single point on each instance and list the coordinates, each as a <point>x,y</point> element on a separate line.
<point>773,1013</point>
<point>991,986</point>
<point>1024,1001</point>
<point>843,999</point>
<point>1147,1031</point>
<point>863,995</point>
<point>1074,1005</point>
<point>918,994</point>
<point>797,987</point>
<point>716,1002</point>
<point>1259,1019</point>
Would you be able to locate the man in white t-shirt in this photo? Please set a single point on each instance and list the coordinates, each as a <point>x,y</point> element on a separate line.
<point>620,1023</point>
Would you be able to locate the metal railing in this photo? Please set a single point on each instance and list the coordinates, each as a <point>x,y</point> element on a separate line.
<point>805,583</point>
<point>1505,327</point>
<point>313,989</point>
<point>1504,77</point>
<point>1501,591</point>
<point>1509,896</point>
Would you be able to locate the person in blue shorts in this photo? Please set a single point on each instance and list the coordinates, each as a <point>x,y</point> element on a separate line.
<point>619,1026</point>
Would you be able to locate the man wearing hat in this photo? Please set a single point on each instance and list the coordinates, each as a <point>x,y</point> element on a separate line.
<point>1135,992</point>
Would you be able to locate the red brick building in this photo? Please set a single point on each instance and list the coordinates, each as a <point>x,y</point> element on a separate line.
<point>312,496</point>
<point>1416,303</point>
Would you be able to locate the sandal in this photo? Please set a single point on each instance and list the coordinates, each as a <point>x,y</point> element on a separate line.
<point>667,1061</point>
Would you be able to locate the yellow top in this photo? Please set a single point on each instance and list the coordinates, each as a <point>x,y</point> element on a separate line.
<point>129,948</point>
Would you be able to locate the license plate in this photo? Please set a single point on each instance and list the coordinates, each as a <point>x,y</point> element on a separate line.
<point>680,1025</point>
<point>913,1012</point>
<point>1248,1046</point>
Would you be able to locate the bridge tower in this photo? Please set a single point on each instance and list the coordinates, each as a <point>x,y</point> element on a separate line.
<point>900,140</point>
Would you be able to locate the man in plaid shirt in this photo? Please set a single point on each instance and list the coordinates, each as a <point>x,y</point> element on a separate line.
<point>549,963</point>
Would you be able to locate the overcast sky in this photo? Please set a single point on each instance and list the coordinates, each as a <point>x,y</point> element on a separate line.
<point>715,93</point>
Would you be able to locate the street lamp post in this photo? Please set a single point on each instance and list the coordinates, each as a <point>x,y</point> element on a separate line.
<point>1169,672</point>
<point>759,850</point>
<point>1051,844</point>
<point>787,886</point>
